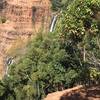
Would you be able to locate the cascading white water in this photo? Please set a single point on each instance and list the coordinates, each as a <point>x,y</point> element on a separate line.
<point>53,23</point>
<point>9,61</point>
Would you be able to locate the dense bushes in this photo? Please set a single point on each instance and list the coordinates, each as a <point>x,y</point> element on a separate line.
<point>79,26</point>
<point>58,5</point>
<point>42,70</point>
<point>56,61</point>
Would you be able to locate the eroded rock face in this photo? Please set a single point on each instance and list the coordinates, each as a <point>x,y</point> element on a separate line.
<point>21,19</point>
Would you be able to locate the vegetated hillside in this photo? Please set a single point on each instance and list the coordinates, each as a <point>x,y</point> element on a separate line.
<point>56,61</point>
<point>19,20</point>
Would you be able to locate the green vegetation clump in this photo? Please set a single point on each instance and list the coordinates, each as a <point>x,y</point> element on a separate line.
<point>58,5</point>
<point>79,28</point>
<point>42,70</point>
<point>59,60</point>
<point>2,20</point>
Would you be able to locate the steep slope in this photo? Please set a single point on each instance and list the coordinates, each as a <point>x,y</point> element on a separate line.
<point>20,19</point>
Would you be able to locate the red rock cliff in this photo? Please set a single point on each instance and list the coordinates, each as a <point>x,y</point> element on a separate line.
<point>21,19</point>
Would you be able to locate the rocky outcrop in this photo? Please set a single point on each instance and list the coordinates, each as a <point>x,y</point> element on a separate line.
<point>21,19</point>
<point>76,93</point>
<point>57,95</point>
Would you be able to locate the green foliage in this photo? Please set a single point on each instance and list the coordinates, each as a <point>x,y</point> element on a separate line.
<point>80,19</point>
<point>56,4</point>
<point>78,27</point>
<point>94,74</point>
<point>61,59</point>
<point>2,19</point>
<point>42,70</point>
<point>60,4</point>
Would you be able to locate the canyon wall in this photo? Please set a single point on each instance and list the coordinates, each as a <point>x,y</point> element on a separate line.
<point>19,20</point>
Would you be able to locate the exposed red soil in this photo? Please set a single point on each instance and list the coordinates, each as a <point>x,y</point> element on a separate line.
<point>76,93</point>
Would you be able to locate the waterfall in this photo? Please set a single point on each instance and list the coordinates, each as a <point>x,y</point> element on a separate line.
<point>54,19</point>
<point>9,61</point>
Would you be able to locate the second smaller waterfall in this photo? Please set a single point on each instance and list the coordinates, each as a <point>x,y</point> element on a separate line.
<point>54,19</point>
